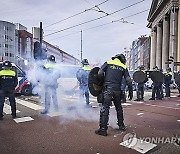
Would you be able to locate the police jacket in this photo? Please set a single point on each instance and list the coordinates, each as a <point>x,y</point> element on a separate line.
<point>51,74</point>
<point>8,80</point>
<point>113,72</point>
<point>167,77</point>
<point>82,75</point>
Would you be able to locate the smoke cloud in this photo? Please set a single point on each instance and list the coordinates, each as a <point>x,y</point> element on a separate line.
<point>70,104</point>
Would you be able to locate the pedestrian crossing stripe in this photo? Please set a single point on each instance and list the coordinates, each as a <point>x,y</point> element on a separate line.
<point>23,119</point>
<point>54,114</point>
<point>29,104</point>
<point>71,98</point>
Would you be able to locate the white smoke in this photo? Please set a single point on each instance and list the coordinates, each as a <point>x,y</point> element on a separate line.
<point>70,109</point>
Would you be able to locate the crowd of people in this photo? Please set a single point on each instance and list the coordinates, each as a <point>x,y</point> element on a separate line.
<point>115,80</point>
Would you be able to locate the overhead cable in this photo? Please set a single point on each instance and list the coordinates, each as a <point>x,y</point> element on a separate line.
<point>77,14</point>
<point>96,18</point>
<point>119,20</point>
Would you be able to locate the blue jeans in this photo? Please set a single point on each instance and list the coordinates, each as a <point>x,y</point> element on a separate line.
<point>84,91</point>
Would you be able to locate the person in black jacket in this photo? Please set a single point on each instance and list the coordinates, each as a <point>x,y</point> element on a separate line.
<point>167,81</point>
<point>8,83</point>
<point>113,71</point>
<point>156,89</point>
<point>140,87</point>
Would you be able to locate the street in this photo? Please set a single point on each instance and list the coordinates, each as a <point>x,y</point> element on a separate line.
<point>71,130</point>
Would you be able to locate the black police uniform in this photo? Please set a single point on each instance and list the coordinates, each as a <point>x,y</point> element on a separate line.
<point>140,90</point>
<point>8,82</point>
<point>167,82</point>
<point>114,70</point>
<point>82,76</point>
<point>156,89</point>
<point>51,84</point>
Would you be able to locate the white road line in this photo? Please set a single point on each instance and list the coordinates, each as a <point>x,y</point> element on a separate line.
<point>54,114</point>
<point>126,104</point>
<point>23,119</point>
<point>140,113</point>
<point>29,104</point>
<point>7,109</point>
<point>76,98</point>
<point>178,120</point>
<point>163,106</point>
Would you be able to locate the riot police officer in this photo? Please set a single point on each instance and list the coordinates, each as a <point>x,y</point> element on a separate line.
<point>8,82</point>
<point>113,72</point>
<point>50,83</point>
<point>167,81</point>
<point>82,77</point>
<point>156,89</point>
<point>140,87</point>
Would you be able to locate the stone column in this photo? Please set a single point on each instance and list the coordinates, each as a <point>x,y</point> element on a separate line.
<point>178,49</point>
<point>153,48</point>
<point>165,43</point>
<point>173,33</point>
<point>159,46</point>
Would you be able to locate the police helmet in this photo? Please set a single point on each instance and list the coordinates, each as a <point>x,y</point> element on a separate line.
<point>51,58</point>
<point>85,62</point>
<point>155,68</point>
<point>7,64</point>
<point>121,57</point>
<point>141,67</point>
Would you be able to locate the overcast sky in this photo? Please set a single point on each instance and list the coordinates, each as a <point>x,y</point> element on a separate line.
<point>99,43</point>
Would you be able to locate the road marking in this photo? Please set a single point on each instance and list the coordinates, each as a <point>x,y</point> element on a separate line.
<point>126,104</point>
<point>54,114</point>
<point>140,113</point>
<point>178,120</point>
<point>71,98</point>
<point>138,145</point>
<point>29,105</point>
<point>163,106</point>
<point>7,109</point>
<point>23,119</point>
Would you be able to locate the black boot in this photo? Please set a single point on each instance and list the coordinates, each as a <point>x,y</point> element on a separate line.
<point>103,122</point>
<point>101,131</point>
<point>122,127</point>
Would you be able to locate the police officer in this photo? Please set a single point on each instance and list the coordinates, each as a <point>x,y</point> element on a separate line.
<point>50,83</point>
<point>140,87</point>
<point>156,89</point>
<point>167,81</point>
<point>82,77</point>
<point>113,72</point>
<point>8,82</point>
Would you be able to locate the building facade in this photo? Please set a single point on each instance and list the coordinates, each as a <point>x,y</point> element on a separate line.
<point>139,53</point>
<point>8,39</point>
<point>17,45</point>
<point>164,22</point>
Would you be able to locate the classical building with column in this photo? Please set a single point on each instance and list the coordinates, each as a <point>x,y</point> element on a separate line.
<point>164,21</point>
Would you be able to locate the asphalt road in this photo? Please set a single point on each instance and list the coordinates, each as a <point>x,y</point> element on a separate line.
<point>71,130</point>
